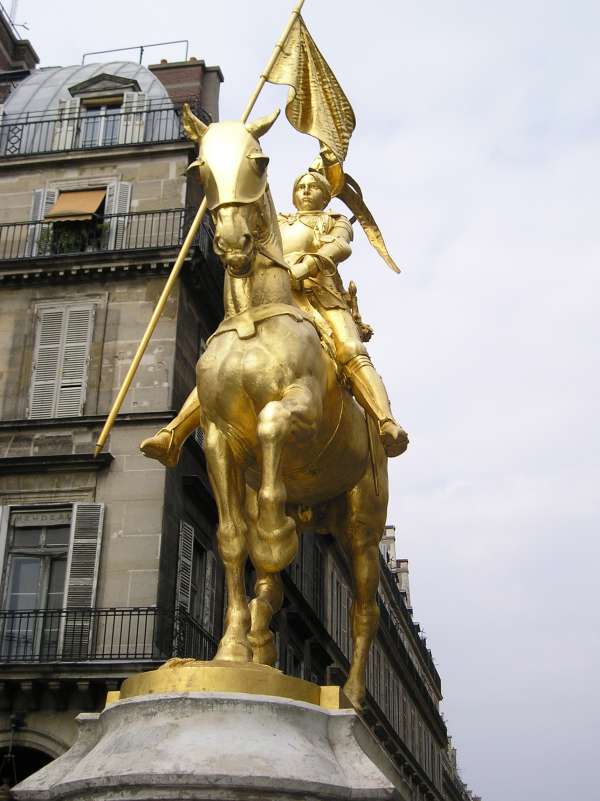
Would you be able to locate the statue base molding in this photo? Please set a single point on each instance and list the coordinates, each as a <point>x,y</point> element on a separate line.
<point>217,746</point>
<point>189,675</point>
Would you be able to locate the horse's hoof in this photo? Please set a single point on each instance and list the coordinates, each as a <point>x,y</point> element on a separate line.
<point>355,692</point>
<point>393,438</point>
<point>263,649</point>
<point>234,651</point>
<point>162,447</point>
<point>274,549</point>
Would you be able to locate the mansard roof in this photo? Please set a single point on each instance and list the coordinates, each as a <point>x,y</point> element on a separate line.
<point>44,88</point>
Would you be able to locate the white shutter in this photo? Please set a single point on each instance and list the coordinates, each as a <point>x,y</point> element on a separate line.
<point>78,327</point>
<point>118,199</point>
<point>210,593</point>
<point>82,579</point>
<point>61,355</point>
<point>42,202</point>
<point>133,118</point>
<point>84,555</point>
<point>66,125</point>
<point>4,516</point>
<point>184,566</point>
<point>46,362</point>
<point>3,132</point>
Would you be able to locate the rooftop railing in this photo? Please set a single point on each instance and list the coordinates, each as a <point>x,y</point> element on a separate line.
<point>91,635</point>
<point>112,232</point>
<point>35,133</point>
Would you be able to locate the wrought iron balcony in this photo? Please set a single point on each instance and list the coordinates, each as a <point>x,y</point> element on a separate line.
<point>112,232</point>
<point>92,635</point>
<point>34,133</point>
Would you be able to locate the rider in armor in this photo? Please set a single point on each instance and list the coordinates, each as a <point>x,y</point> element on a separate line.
<point>315,242</point>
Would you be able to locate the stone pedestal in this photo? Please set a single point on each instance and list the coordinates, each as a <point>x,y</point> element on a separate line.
<point>218,747</point>
<point>210,731</point>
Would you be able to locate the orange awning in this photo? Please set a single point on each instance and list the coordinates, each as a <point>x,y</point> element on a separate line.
<point>76,205</point>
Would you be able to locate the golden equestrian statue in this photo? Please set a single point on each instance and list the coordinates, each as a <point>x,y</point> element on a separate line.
<point>286,442</point>
<point>314,242</point>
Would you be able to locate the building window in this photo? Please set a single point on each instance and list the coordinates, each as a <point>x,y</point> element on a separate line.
<point>196,579</point>
<point>294,664</point>
<point>74,223</point>
<point>339,612</point>
<point>50,560</point>
<point>99,125</point>
<point>91,219</point>
<point>61,354</point>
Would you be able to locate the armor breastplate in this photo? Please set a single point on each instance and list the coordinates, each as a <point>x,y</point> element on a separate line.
<point>298,237</point>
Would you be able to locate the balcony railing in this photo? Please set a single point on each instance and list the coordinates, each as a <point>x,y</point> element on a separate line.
<point>30,133</point>
<point>92,635</point>
<point>112,232</point>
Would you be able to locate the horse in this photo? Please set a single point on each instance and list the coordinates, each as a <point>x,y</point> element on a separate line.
<point>286,444</point>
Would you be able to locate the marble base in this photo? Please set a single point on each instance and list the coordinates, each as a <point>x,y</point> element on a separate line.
<point>218,747</point>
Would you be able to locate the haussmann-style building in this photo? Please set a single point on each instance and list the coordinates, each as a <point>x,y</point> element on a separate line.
<point>108,565</point>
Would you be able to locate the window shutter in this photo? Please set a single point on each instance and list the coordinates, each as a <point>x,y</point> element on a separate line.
<point>184,567</point>
<point>42,202</point>
<point>46,363</point>
<point>60,363</point>
<point>4,515</point>
<point>210,593</point>
<point>82,578</point>
<point>118,199</point>
<point>66,124</point>
<point>3,132</point>
<point>75,358</point>
<point>133,119</point>
<point>345,629</point>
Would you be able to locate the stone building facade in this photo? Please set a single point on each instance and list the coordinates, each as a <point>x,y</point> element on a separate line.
<point>108,566</point>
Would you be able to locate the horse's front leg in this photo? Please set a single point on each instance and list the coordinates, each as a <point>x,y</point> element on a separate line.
<point>228,485</point>
<point>276,543</point>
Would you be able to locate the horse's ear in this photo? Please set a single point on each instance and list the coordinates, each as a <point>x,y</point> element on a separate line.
<point>260,127</point>
<point>193,127</point>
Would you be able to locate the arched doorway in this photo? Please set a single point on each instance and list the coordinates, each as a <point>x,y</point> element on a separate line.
<point>20,763</point>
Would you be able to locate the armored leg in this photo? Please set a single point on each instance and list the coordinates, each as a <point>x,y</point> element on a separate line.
<point>367,386</point>
<point>370,392</point>
<point>166,444</point>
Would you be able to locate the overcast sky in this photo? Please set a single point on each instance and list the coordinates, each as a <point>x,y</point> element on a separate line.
<point>478,150</point>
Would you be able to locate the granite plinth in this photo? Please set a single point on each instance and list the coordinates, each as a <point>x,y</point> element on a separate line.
<point>218,747</point>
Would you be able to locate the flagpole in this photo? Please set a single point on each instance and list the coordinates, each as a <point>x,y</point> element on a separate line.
<point>278,48</point>
<point>194,228</point>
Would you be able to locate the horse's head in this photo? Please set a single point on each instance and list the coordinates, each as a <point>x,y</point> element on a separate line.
<point>233,171</point>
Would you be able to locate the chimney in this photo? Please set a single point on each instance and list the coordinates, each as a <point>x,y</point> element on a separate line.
<point>403,579</point>
<point>191,81</point>
<point>387,546</point>
<point>17,57</point>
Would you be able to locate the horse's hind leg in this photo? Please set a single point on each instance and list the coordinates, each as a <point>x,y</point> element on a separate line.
<point>276,542</point>
<point>268,590</point>
<point>228,485</point>
<point>366,518</point>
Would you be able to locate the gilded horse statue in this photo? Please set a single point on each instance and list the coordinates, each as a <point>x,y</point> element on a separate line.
<point>285,442</point>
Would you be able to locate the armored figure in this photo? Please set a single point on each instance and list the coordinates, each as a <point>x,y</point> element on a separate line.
<point>315,241</point>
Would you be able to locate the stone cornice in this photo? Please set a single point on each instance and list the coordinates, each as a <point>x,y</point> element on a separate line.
<point>72,157</point>
<point>18,465</point>
<point>38,271</point>
<point>135,418</point>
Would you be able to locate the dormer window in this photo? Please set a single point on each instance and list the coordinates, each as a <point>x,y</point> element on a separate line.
<point>100,122</point>
<point>102,111</point>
